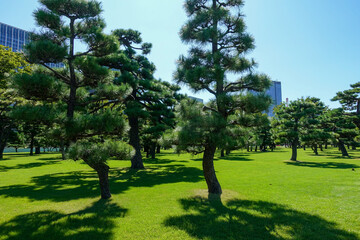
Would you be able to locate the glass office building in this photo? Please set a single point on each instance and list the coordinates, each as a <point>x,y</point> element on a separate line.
<point>16,39</point>
<point>275,93</point>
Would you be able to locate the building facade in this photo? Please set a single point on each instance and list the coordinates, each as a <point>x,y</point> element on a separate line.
<point>275,93</point>
<point>16,39</point>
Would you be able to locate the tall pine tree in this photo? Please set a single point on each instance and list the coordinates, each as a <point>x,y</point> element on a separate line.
<point>219,42</point>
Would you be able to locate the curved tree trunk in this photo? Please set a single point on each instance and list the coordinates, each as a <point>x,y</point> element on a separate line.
<point>103,173</point>
<point>136,160</point>
<point>343,149</point>
<point>209,171</point>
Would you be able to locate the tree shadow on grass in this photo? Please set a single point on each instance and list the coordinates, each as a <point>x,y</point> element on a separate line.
<point>331,165</point>
<point>232,157</point>
<point>26,166</point>
<point>94,222</point>
<point>236,157</point>
<point>82,184</point>
<point>244,219</point>
<point>161,161</point>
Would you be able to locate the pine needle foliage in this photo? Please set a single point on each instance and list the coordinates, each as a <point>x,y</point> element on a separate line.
<point>216,33</point>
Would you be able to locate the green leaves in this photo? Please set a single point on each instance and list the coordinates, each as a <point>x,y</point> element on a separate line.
<point>48,19</point>
<point>94,153</point>
<point>39,86</point>
<point>10,63</point>
<point>74,8</point>
<point>45,51</point>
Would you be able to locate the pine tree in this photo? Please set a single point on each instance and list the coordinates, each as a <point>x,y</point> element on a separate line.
<point>343,127</point>
<point>217,34</point>
<point>289,122</point>
<point>150,99</point>
<point>84,89</point>
<point>312,133</point>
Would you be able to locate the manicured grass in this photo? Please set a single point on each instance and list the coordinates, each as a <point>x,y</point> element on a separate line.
<point>265,197</point>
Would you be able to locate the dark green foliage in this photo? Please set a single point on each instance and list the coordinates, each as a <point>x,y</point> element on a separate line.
<point>151,101</point>
<point>313,133</point>
<point>83,94</point>
<point>219,43</point>
<point>296,120</point>
<point>100,152</point>
<point>349,99</point>
<point>32,86</point>
<point>343,127</point>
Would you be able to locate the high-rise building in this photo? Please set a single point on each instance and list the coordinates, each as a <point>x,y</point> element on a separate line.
<point>275,93</point>
<point>16,39</point>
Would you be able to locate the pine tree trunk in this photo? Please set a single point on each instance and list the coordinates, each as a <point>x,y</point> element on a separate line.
<point>222,154</point>
<point>103,173</point>
<point>256,148</point>
<point>136,160</point>
<point>316,149</point>
<point>158,149</point>
<point>153,150</point>
<point>32,146</point>
<point>209,171</point>
<point>62,150</point>
<point>343,149</point>
<point>248,148</point>
<point>37,150</point>
<point>294,152</point>
<point>2,148</point>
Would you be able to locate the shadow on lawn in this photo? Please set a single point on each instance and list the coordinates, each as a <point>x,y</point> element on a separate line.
<point>161,161</point>
<point>333,165</point>
<point>26,166</point>
<point>79,184</point>
<point>232,157</point>
<point>94,222</point>
<point>243,219</point>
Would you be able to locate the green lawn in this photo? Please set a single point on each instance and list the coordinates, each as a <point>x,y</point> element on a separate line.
<point>265,197</point>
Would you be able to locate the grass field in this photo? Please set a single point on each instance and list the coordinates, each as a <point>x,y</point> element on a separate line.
<point>265,197</point>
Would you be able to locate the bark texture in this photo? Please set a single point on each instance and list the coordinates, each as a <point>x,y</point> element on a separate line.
<point>209,171</point>
<point>136,160</point>
<point>294,152</point>
<point>343,149</point>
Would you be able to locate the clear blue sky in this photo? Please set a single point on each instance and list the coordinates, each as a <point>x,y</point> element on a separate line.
<point>311,46</point>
